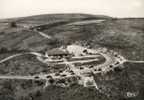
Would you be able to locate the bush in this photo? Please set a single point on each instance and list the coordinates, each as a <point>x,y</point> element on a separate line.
<point>3,50</point>
<point>13,24</point>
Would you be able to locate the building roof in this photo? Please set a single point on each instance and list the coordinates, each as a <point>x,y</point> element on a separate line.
<point>57,52</point>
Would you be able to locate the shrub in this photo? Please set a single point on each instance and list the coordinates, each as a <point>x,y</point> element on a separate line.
<point>13,24</point>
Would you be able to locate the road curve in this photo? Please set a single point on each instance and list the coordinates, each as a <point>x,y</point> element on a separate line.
<point>20,54</point>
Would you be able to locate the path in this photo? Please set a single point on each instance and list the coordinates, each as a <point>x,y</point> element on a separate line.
<point>134,61</point>
<point>43,34</point>
<point>20,54</point>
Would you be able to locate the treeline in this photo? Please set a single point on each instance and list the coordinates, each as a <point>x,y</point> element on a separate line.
<point>6,50</point>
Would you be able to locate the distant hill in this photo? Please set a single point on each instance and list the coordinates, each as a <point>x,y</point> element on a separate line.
<point>46,18</point>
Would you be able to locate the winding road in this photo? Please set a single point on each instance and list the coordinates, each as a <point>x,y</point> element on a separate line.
<point>20,54</point>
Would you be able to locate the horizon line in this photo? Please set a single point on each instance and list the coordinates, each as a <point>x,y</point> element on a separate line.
<point>32,15</point>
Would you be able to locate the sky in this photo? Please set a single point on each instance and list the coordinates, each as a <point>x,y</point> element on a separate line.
<point>114,8</point>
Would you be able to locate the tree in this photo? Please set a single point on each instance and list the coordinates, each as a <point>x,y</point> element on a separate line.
<point>3,50</point>
<point>13,24</point>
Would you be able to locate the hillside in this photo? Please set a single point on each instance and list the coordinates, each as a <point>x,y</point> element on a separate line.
<point>123,35</point>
